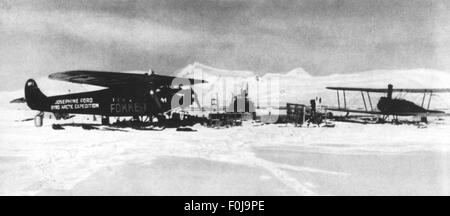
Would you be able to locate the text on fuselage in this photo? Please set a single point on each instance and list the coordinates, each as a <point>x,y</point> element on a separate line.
<point>74,104</point>
<point>128,108</point>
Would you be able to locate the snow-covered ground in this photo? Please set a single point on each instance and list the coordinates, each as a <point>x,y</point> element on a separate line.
<point>350,159</point>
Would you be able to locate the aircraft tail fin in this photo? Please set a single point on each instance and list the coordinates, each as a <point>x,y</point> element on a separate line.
<point>33,96</point>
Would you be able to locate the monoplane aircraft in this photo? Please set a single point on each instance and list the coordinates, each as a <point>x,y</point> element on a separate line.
<point>141,96</point>
<point>388,106</point>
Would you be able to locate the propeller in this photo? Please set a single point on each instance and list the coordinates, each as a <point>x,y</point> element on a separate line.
<point>155,98</point>
<point>196,99</point>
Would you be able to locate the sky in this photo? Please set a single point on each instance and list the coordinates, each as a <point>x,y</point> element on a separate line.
<point>323,37</point>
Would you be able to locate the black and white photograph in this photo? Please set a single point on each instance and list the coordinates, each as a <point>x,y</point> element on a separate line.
<point>225,98</point>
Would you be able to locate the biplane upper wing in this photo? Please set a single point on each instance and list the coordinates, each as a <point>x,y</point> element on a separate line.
<point>385,90</point>
<point>113,79</point>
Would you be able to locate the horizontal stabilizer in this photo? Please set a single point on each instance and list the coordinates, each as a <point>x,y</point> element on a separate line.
<point>19,100</point>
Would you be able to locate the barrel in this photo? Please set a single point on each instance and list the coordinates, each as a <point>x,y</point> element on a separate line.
<point>38,120</point>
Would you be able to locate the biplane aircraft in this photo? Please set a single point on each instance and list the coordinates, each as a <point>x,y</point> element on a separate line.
<point>141,96</point>
<point>388,106</point>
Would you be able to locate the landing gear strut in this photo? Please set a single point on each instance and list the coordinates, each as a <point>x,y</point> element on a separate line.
<point>105,120</point>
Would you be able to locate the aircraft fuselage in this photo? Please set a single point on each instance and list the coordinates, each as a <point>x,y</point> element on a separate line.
<point>108,102</point>
<point>390,106</point>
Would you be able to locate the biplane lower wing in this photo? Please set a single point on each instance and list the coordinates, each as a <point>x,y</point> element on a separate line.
<point>429,113</point>
<point>355,111</point>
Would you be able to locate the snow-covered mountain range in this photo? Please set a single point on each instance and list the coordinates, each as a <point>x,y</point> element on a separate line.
<point>298,86</point>
<point>273,89</point>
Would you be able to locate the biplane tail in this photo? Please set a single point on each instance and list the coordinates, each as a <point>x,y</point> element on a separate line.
<point>33,96</point>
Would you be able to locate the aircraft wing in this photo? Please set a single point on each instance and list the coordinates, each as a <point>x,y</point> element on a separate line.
<point>354,111</point>
<point>385,90</point>
<point>429,113</point>
<point>432,90</point>
<point>358,89</point>
<point>112,79</point>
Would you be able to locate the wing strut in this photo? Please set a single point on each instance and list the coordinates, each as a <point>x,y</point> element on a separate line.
<point>364,100</point>
<point>339,104</point>
<point>370,101</point>
<point>429,101</point>
<point>423,99</point>
<point>345,102</point>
